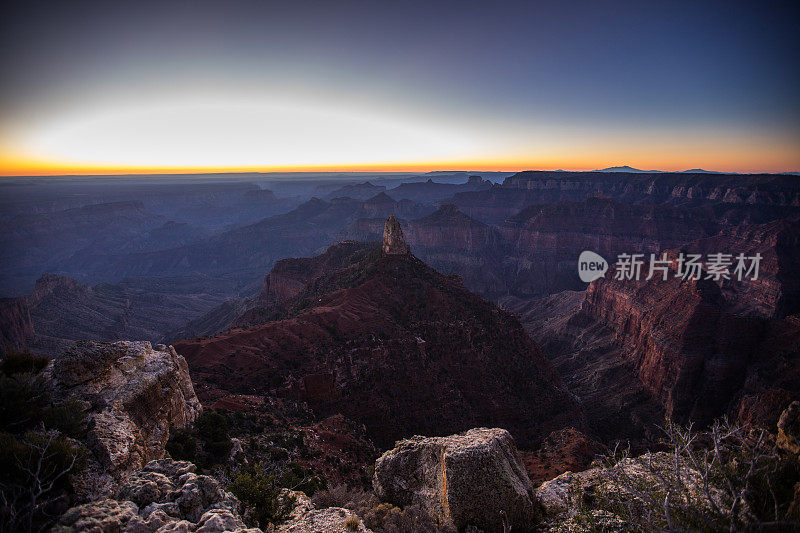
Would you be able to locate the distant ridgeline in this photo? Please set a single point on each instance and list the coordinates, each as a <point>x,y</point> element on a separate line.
<point>665,187</point>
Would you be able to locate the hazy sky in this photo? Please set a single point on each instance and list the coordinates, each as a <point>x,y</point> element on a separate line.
<point>105,85</point>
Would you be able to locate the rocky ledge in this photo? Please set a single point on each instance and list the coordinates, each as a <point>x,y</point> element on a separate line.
<point>166,495</point>
<point>169,495</point>
<point>132,395</point>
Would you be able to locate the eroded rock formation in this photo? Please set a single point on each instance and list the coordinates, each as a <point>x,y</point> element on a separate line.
<point>390,343</point>
<point>470,479</point>
<point>165,495</point>
<point>133,394</point>
<point>394,242</point>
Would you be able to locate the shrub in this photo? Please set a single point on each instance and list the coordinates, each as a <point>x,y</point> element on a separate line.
<point>34,478</point>
<point>213,428</point>
<point>728,478</point>
<point>182,445</point>
<point>352,523</point>
<point>296,477</point>
<point>277,453</point>
<point>260,493</point>
<point>25,403</point>
<point>23,399</point>
<point>22,362</point>
<point>67,416</point>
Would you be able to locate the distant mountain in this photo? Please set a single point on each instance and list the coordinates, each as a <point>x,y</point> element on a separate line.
<point>625,168</point>
<point>701,171</point>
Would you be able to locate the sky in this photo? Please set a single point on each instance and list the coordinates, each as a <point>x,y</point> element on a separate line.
<point>140,86</point>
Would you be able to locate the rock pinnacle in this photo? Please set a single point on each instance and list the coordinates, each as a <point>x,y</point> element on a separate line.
<point>394,243</point>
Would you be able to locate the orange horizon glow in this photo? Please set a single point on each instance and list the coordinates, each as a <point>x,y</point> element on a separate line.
<point>39,168</point>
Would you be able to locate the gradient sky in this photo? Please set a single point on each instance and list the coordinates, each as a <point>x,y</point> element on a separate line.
<point>108,86</point>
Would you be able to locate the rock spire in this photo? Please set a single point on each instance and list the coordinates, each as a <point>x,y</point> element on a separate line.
<point>394,242</point>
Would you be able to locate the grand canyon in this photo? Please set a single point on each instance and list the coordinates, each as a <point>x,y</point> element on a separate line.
<point>325,332</point>
<point>399,267</point>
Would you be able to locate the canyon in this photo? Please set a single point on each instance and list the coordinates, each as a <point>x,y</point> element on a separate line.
<point>693,350</point>
<point>513,243</point>
<point>334,331</point>
<point>385,316</point>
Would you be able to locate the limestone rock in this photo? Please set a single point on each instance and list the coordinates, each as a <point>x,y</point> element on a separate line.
<point>165,495</point>
<point>468,479</point>
<point>789,428</point>
<point>394,242</point>
<point>134,395</point>
<point>329,520</point>
<point>102,515</point>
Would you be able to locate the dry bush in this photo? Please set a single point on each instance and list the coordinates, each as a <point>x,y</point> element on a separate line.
<point>725,479</point>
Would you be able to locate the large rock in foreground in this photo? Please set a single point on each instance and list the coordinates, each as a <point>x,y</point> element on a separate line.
<point>470,479</point>
<point>133,394</point>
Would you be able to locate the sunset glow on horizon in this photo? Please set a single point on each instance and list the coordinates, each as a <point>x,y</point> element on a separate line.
<point>190,87</point>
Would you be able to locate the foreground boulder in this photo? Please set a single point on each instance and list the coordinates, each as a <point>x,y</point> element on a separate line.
<point>469,479</point>
<point>132,394</point>
<point>166,495</point>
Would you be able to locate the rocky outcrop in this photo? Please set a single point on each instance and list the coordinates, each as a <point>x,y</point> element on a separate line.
<point>169,495</point>
<point>789,428</point>
<point>329,520</point>
<point>390,343</point>
<point>567,500</point>
<point>451,242</point>
<point>580,501</point>
<point>471,479</point>
<point>165,495</point>
<point>394,242</point>
<point>133,394</point>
